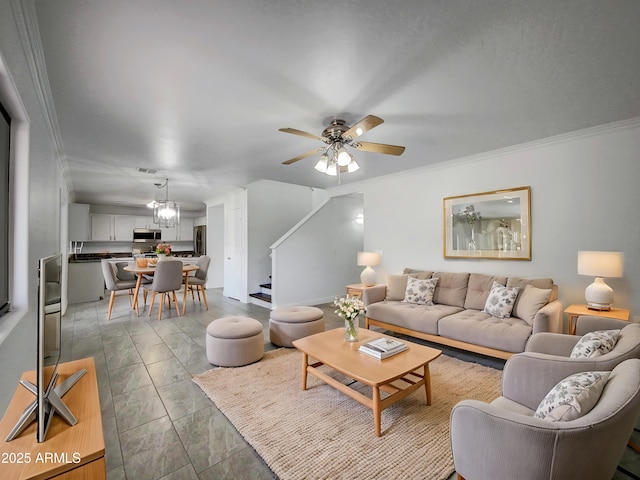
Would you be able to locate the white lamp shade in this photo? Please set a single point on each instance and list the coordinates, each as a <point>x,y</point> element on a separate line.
<point>600,264</point>
<point>368,259</point>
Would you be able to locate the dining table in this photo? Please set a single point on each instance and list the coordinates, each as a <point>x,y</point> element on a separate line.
<point>150,270</point>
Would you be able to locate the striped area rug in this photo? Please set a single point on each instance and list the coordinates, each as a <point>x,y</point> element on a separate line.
<point>321,433</point>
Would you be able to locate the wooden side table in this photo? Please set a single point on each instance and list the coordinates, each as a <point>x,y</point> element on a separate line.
<point>356,289</point>
<point>576,310</point>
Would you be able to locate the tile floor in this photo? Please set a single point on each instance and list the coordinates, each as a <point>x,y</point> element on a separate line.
<point>157,423</point>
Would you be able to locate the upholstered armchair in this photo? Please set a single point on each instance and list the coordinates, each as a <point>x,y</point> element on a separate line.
<point>503,439</point>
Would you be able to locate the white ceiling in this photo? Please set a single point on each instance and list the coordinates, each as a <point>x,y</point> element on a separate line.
<point>198,89</point>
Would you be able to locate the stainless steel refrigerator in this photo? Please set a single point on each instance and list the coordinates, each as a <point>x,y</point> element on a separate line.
<point>199,240</point>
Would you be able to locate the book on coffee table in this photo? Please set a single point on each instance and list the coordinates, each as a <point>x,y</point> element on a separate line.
<point>383,347</point>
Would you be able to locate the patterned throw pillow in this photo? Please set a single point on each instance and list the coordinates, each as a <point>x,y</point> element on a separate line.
<point>595,344</point>
<point>420,291</point>
<point>572,397</point>
<point>500,300</point>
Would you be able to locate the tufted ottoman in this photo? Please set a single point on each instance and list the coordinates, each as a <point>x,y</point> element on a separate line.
<point>291,323</point>
<point>234,341</point>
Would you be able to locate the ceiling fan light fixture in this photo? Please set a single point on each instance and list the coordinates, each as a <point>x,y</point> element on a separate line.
<point>332,169</point>
<point>323,163</point>
<point>352,166</point>
<point>343,157</point>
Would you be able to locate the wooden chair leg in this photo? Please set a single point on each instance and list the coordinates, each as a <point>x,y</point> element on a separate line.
<point>175,301</point>
<point>162,295</point>
<point>460,477</point>
<point>111,300</point>
<point>131,296</point>
<point>153,299</point>
<point>192,297</point>
<point>204,296</point>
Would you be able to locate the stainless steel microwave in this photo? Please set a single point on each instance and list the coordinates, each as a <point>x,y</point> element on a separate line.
<point>145,235</point>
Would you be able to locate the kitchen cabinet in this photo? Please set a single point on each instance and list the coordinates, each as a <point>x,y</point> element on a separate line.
<point>101,227</point>
<point>86,282</point>
<point>144,222</point>
<point>186,230</point>
<point>111,228</point>
<point>181,233</point>
<point>79,222</point>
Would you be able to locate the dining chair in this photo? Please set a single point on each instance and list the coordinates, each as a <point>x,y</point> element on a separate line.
<point>199,279</point>
<point>167,278</point>
<point>116,284</point>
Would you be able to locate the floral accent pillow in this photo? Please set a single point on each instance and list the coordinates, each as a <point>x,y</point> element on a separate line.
<point>572,397</point>
<point>420,291</point>
<point>500,300</point>
<point>595,344</point>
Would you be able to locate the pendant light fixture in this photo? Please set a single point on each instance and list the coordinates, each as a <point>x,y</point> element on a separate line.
<point>166,213</point>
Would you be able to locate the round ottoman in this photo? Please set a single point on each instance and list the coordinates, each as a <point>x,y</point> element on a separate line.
<point>234,341</point>
<point>287,324</point>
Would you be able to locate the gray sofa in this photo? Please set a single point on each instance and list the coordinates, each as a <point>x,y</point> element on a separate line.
<point>456,317</point>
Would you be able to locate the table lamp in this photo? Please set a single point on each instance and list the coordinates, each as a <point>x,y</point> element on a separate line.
<point>368,259</point>
<point>599,295</point>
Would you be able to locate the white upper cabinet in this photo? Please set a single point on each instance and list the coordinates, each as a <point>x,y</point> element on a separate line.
<point>79,222</point>
<point>123,228</point>
<point>111,228</point>
<point>186,230</point>
<point>144,222</point>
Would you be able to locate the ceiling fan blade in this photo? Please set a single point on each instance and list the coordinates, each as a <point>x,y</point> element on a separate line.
<point>301,133</point>
<point>378,148</point>
<point>364,125</point>
<point>304,155</point>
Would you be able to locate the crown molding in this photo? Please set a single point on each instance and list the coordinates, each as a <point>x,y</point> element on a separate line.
<point>26,19</point>
<point>627,124</point>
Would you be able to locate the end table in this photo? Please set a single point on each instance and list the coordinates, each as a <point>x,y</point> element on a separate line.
<point>576,310</point>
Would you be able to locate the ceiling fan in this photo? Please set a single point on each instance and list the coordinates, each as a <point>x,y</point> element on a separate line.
<point>335,158</point>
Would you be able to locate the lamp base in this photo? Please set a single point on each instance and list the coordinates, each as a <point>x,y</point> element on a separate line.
<point>599,307</point>
<point>599,295</point>
<point>368,277</point>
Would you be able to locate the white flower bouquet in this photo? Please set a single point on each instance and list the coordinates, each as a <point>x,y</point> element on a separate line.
<point>349,308</point>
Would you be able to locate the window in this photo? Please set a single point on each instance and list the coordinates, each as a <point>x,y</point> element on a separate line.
<point>5,139</point>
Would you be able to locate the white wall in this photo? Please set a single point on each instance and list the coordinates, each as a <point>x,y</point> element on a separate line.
<point>313,263</point>
<point>272,209</point>
<point>585,195</point>
<point>36,195</point>
<point>215,245</point>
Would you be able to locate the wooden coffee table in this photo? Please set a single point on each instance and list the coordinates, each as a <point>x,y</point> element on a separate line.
<point>399,375</point>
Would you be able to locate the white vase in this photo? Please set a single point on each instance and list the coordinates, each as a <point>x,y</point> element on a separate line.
<point>351,328</point>
<point>161,256</point>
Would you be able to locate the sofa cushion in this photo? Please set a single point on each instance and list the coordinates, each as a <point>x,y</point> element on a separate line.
<point>479,288</point>
<point>473,326</point>
<point>420,291</point>
<point>501,300</point>
<point>572,397</point>
<point>396,287</point>
<point>422,274</point>
<point>397,284</point>
<point>595,344</point>
<point>543,283</point>
<point>421,318</point>
<point>451,289</point>
<point>529,301</point>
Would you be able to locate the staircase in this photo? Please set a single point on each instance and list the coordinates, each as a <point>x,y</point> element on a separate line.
<point>263,297</point>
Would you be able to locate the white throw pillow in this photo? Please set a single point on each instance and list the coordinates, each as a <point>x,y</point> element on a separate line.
<point>500,300</point>
<point>572,397</point>
<point>420,291</point>
<point>595,344</point>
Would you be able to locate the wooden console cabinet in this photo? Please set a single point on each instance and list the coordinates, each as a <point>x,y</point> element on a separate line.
<point>70,452</point>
